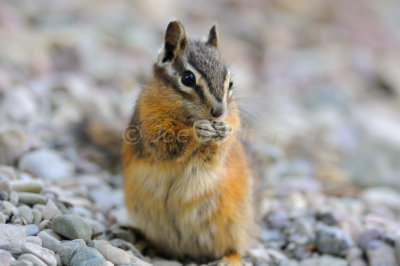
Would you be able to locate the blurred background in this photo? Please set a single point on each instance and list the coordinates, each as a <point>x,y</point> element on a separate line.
<point>318,84</point>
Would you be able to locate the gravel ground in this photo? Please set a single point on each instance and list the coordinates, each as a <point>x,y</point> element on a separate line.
<point>318,86</point>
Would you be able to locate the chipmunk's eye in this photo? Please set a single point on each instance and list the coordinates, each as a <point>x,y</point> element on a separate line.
<point>230,85</point>
<point>188,78</point>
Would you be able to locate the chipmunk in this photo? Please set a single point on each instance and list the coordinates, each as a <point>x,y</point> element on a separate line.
<point>186,182</point>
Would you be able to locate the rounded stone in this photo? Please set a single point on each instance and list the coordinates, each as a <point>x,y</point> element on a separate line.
<point>48,241</point>
<point>34,186</point>
<point>88,257</point>
<point>72,227</point>
<point>44,254</point>
<point>46,164</point>
<point>114,254</point>
<point>35,261</point>
<point>31,199</point>
<point>67,250</point>
<point>332,240</point>
<point>32,229</point>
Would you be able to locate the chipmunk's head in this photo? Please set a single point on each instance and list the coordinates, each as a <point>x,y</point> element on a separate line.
<point>195,73</point>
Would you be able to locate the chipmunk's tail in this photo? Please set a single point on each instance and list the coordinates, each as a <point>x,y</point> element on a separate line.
<point>101,139</point>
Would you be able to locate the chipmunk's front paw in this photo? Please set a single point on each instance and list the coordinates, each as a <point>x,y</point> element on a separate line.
<point>223,130</point>
<point>205,130</point>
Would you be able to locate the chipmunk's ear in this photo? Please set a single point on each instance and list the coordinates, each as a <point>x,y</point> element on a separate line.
<point>174,41</point>
<point>213,36</point>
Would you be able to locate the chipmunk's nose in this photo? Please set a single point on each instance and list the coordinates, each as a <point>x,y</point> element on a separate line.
<point>217,111</point>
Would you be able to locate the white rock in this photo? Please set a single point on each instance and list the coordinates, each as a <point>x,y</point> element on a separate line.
<point>46,164</point>
<point>44,254</point>
<point>5,258</point>
<point>12,236</point>
<point>114,254</point>
<point>51,211</point>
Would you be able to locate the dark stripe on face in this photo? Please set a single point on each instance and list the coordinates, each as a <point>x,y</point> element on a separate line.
<point>170,81</point>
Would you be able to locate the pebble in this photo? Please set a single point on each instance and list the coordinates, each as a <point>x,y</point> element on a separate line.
<point>331,240</point>
<point>5,258</point>
<point>67,250</point>
<point>324,260</point>
<point>32,230</point>
<point>12,236</point>
<point>26,213</point>
<point>32,259</point>
<point>72,227</point>
<point>51,211</point>
<point>37,216</point>
<point>125,245</point>
<point>367,236</point>
<point>88,256</point>
<point>12,143</point>
<point>34,186</point>
<point>379,253</point>
<point>49,241</point>
<point>114,254</point>
<point>31,199</point>
<point>44,254</point>
<point>44,224</point>
<point>46,164</point>
<point>35,240</point>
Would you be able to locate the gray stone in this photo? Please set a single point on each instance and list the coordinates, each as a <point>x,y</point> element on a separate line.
<point>332,240</point>
<point>35,261</point>
<point>26,213</point>
<point>324,260</point>
<point>23,262</point>
<point>397,245</point>
<point>367,236</point>
<point>72,227</point>
<point>5,258</point>
<point>31,199</point>
<point>49,241</point>
<point>51,211</point>
<point>35,186</point>
<point>34,239</point>
<point>37,216</point>
<point>88,257</point>
<point>114,254</point>
<point>44,224</point>
<point>12,236</point>
<point>44,254</point>
<point>380,253</point>
<point>67,250</point>
<point>32,230</point>
<point>46,164</point>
